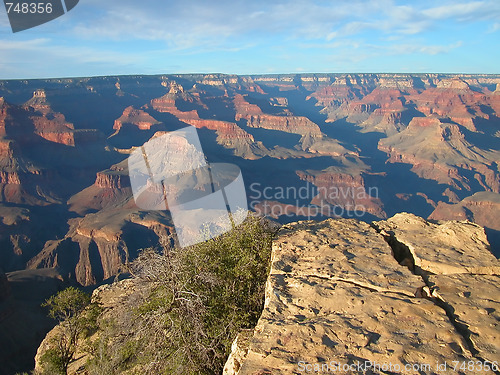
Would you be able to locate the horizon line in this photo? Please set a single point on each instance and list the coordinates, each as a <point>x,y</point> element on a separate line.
<point>249,75</point>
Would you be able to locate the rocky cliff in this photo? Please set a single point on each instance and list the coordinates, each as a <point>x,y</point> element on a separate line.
<point>100,245</point>
<point>405,295</point>
<point>229,134</point>
<point>441,152</point>
<point>288,124</point>
<point>49,124</point>
<point>343,191</point>
<point>427,143</point>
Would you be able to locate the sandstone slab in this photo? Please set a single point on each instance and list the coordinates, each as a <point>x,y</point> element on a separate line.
<point>473,301</point>
<point>448,247</point>
<point>336,296</point>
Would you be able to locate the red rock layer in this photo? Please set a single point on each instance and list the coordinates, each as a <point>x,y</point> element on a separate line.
<point>111,188</point>
<point>439,151</point>
<point>136,117</point>
<point>229,134</point>
<point>334,95</point>
<point>289,124</point>
<point>3,115</point>
<point>244,108</point>
<point>48,124</point>
<point>345,191</point>
<point>376,102</point>
<point>481,208</point>
<point>461,105</point>
<point>111,180</point>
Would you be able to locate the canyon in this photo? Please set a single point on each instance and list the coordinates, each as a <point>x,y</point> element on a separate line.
<point>362,146</point>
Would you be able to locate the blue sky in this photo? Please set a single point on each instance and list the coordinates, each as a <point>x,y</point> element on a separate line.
<point>253,36</point>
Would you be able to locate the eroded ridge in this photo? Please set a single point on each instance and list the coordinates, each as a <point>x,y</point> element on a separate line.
<point>346,292</point>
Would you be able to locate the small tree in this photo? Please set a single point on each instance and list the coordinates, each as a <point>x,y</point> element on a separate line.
<point>67,307</point>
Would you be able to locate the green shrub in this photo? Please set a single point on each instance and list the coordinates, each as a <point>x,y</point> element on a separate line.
<point>77,318</point>
<point>196,301</point>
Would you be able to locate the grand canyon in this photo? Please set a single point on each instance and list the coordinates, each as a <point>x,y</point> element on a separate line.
<point>362,147</point>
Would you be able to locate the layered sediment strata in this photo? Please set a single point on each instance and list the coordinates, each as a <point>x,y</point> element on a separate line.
<point>344,191</point>
<point>100,245</point>
<point>386,103</point>
<point>440,151</point>
<point>136,117</point>
<point>229,134</point>
<point>482,208</point>
<point>257,119</point>
<point>47,123</point>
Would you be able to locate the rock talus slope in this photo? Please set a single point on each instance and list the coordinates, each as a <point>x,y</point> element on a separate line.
<point>404,293</point>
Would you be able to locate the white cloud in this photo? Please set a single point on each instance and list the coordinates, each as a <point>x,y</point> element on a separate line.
<point>180,25</point>
<point>434,50</point>
<point>6,45</point>
<point>150,32</point>
<point>18,56</point>
<point>228,24</point>
<point>469,11</point>
<point>413,48</point>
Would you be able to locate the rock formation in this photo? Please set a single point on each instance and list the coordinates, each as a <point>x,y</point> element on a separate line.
<point>403,294</point>
<point>482,208</point>
<point>99,246</point>
<point>229,135</point>
<point>440,151</point>
<point>136,117</point>
<point>33,153</point>
<point>289,124</point>
<point>428,142</point>
<point>343,191</point>
<point>48,124</point>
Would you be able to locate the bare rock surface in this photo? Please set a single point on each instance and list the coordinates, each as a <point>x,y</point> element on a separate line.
<point>338,294</point>
<point>472,300</point>
<point>447,247</point>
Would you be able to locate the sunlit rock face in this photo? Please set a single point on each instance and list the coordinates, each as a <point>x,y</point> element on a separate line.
<point>397,292</point>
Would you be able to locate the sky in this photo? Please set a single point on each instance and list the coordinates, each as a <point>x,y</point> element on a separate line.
<point>116,37</point>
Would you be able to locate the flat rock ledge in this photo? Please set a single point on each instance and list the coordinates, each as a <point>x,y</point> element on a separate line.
<point>400,296</point>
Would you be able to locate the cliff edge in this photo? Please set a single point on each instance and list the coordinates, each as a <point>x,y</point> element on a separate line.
<point>398,296</point>
<point>402,296</point>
